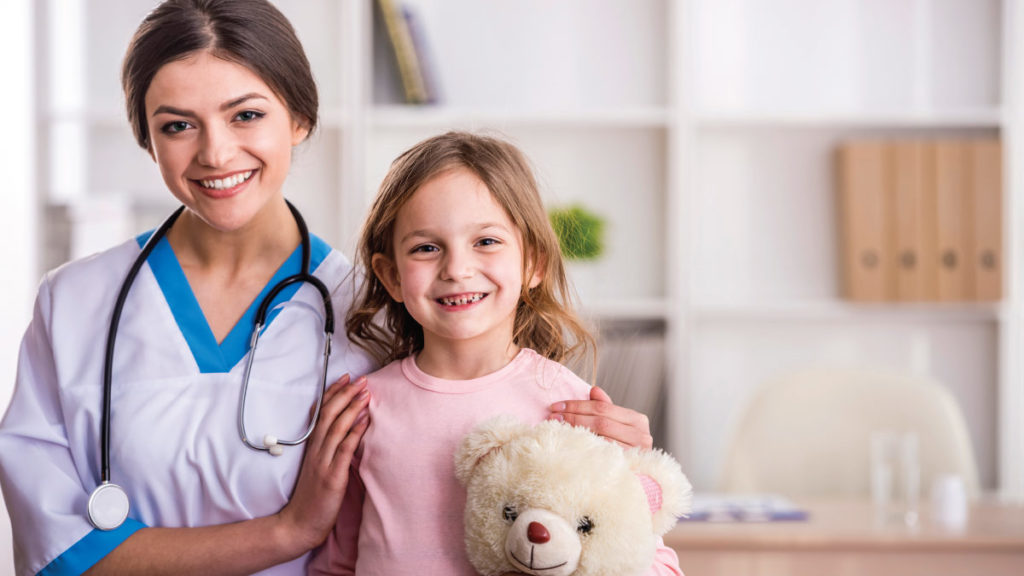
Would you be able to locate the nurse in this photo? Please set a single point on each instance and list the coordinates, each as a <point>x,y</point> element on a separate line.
<point>218,92</point>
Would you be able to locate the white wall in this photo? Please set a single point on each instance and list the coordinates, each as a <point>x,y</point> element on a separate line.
<point>17,210</point>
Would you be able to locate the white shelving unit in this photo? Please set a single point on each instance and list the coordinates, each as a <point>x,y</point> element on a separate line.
<point>771,89</point>
<point>701,130</point>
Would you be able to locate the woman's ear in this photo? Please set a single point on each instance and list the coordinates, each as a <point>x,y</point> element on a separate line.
<point>385,270</point>
<point>299,131</point>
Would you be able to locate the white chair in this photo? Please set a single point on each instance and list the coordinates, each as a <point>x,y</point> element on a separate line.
<point>808,434</point>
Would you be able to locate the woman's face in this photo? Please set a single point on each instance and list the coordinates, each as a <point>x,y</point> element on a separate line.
<point>222,138</point>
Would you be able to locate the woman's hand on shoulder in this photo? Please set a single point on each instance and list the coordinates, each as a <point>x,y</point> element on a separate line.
<point>313,509</point>
<point>623,425</point>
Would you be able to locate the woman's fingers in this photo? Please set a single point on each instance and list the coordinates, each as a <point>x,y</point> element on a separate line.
<point>344,412</point>
<point>347,448</point>
<point>623,425</point>
<point>336,398</point>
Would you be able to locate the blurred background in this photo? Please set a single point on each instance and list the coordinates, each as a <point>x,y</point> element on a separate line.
<point>806,215</point>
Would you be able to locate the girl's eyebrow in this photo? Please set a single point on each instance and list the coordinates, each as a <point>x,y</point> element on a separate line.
<point>427,233</point>
<point>223,107</point>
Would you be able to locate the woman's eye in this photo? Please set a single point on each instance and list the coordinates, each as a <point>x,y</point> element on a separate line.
<point>174,127</point>
<point>509,514</point>
<point>585,525</point>
<point>249,115</point>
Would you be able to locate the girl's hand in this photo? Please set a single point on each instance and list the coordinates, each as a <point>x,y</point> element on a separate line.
<point>313,509</point>
<point>627,427</point>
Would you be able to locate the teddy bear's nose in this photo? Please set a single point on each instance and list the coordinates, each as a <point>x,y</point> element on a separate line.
<point>537,533</point>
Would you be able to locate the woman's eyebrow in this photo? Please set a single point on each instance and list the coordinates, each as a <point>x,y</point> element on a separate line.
<point>163,109</point>
<point>242,99</point>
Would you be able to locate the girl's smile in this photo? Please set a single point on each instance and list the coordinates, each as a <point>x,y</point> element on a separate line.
<point>460,301</point>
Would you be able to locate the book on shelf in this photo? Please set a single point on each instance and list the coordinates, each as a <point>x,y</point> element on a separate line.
<point>730,507</point>
<point>921,220</point>
<point>908,222</point>
<point>865,242</point>
<point>986,196</point>
<point>953,220</point>
<point>407,42</point>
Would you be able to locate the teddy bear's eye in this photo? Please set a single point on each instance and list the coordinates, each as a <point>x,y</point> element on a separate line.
<point>510,514</point>
<point>585,525</point>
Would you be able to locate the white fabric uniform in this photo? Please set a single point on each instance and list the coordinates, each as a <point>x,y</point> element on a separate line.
<point>175,446</point>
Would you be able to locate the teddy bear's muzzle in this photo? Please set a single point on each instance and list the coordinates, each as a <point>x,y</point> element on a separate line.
<point>543,543</point>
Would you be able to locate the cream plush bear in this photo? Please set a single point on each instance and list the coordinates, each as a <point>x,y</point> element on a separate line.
<point>558,500</point>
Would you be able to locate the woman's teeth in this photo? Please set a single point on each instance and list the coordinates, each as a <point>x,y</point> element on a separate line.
<point>461,300</point>
<point>229,182</point>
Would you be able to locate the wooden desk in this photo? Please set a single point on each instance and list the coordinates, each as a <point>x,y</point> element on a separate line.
<point>842,538</point>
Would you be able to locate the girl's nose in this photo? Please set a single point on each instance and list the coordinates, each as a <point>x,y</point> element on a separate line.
<point>216,147</point>
<point>458,264</point>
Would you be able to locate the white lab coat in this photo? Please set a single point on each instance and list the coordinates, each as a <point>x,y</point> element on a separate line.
<point>175,446</point>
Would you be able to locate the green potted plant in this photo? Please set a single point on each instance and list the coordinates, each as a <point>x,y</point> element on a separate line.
<point>580,232</point>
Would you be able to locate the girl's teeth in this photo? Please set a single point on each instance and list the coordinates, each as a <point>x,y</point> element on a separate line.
<point>461,300</point>
<point>229,182</point>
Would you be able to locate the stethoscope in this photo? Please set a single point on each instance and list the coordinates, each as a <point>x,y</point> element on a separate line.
<point>108,503</point>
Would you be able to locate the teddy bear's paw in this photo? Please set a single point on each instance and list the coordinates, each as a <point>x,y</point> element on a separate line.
<point>540,542</point>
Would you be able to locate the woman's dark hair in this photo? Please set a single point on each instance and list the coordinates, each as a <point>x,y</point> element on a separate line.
<point>252,33</point>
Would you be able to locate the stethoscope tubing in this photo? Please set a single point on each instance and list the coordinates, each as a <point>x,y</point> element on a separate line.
<point>302,277</point>
<point>115,319</point>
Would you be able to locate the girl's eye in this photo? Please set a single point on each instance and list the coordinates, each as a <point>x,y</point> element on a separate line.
<point>585,525</point>
<point>488,242</point>
<point>249,115</point>
<point>174,127</point>
<point>509,514</point>
<point>423,249</point>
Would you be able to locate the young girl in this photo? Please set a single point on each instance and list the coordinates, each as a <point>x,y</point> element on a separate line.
<point>468,279</point>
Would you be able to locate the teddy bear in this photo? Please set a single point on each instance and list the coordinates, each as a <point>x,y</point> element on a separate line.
<point>558,500</point>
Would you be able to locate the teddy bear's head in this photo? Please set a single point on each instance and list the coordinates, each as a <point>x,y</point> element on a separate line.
<point>558,500</point>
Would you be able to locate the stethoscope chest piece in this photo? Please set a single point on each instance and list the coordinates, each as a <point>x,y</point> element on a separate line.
<point>108,506</point>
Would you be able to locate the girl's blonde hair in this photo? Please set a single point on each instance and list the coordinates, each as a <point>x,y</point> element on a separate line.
<point>544,321</point>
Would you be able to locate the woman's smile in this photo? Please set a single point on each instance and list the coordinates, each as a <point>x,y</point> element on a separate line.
<point>224,186</point>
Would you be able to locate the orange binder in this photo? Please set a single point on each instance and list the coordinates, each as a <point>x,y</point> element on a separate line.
<point>953,217</point>
<point>861,171</point>
<point>907,224</point>
<point>986,194</point>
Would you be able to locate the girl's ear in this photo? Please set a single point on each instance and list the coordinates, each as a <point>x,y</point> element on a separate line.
<point>385,270</point>
<point>538,263</point>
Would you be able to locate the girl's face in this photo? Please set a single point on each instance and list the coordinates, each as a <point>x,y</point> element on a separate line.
<point>222,138</point>
<point>457,263</point>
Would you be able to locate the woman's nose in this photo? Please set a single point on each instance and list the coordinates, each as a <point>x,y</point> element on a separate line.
<point>216,147</point>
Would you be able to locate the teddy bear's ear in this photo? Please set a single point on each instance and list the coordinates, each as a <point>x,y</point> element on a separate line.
<point>489,435</point>
<point>668,491</point>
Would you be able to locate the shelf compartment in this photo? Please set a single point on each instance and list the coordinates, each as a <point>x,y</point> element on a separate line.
<point>788,56</point>
<point>730,360</point>
<point>536,54</point>
<point>768,226</point>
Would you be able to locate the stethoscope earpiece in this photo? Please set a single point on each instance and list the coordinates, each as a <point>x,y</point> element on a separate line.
<point>272,446</point>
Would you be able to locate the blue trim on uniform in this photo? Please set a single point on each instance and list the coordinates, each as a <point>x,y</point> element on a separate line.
<point>210,356</point>
<point>92,548</point>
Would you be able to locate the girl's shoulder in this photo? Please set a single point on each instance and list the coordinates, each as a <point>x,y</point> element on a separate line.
<point>554,375</point>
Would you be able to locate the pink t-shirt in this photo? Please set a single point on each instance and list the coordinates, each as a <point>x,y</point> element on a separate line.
<point>411,517</point>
